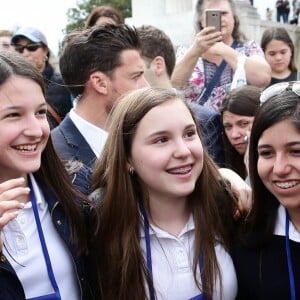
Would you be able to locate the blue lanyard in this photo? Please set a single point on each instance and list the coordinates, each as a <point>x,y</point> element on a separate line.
<point>289,257</point>
<point>149,257</point>
<point>56,294</point>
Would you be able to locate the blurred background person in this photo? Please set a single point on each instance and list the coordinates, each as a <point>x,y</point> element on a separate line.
<point>5,40</point>
<point>279,52</point>
<point>104,14</point>
<point>269,14</point>
<point>158,54</point>
<point>286,11</point>
<point>197,65</point>
<point>279,10</point>
<point>296,11</point>
<point>237,113</point>
<point>33,45</point>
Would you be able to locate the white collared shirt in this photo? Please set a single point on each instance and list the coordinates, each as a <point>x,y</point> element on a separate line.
<point>95,136</point>
<point>23,251</point>
<point>294,235</point>
<point>172,260</point>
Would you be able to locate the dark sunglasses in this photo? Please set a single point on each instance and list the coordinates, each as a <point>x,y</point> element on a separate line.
<point>29,47</point>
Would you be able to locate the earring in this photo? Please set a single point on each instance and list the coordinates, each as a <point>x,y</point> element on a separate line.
<point>45,58</point>
<point>131,171</point>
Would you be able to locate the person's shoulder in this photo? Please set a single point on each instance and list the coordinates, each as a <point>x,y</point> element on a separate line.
<point>201,112</point>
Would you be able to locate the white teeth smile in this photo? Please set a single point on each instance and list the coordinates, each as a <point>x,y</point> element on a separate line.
<point>26,148</point>
<point>184,170</point>
<point>286,185</point>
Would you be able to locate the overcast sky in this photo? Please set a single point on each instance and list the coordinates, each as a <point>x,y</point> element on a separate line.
<point>48,16</point>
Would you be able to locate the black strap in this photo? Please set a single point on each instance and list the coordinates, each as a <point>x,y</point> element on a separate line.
<point>207,91</point>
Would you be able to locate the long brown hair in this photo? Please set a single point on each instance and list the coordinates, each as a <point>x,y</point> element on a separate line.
<point>52,174</point>
<point>116,248</point>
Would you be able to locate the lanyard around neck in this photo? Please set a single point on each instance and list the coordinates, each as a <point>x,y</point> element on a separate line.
<point>149,257</point>
<point>289,257</point>
<point>44,247</point>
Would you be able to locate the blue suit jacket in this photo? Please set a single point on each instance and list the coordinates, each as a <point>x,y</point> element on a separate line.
<point>70,144</point>
<point>210,126</point>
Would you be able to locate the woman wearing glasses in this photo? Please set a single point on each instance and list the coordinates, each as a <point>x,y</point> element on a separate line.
<point>33,45</point>
<point>267,254</point>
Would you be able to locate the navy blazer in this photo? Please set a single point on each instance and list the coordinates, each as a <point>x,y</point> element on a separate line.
<point>70,144</point>
<point>210,126</point>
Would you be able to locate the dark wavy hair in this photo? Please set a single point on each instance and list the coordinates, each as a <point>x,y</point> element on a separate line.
<point>98,48</point>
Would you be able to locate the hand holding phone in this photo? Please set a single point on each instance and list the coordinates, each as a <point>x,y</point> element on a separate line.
<point>213,18</point>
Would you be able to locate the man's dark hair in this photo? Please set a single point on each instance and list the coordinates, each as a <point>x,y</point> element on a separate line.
<point>154,42</point>
<point>94,49</point>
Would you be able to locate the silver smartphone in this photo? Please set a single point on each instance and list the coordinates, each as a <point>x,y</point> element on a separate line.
<point>213,18</point>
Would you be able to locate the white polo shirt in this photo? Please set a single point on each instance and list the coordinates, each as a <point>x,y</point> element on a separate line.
<point>24,252</point>
<point>294,235</point>
<point>172,265</point>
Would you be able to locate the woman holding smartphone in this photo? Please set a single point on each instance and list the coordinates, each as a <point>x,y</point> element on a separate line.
<point>197,65</point>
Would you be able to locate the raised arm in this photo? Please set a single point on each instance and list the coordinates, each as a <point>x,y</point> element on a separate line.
<point>185,65</point>
<point>258,71</point>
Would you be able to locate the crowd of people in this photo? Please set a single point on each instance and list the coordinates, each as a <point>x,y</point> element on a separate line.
<point>287,12</point>
<point>134,171</point>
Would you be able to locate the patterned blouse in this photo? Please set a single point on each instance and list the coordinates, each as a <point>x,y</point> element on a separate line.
<point>204,71</point>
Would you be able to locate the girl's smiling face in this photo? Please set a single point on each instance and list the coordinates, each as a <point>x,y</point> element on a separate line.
<point>279,162</point>
<point>24,128</point>
<point>166,152</point>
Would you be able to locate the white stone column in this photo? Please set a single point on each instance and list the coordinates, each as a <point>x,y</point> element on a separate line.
<point>249,19</point>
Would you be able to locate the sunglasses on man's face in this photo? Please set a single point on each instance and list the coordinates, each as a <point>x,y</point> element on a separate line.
<point>29,47</point>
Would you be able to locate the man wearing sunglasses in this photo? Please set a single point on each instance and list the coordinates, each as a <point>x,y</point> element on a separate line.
<point>32,45</point>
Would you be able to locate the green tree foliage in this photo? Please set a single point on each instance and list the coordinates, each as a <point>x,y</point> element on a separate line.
<point>78,15</point>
